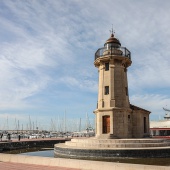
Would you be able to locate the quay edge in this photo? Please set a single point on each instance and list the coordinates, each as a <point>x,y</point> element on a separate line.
<point>14,145</point>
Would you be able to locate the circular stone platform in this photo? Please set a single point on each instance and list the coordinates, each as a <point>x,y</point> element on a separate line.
<point>95,149</point>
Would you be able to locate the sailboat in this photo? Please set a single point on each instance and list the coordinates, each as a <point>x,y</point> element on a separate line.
<point>88,132</point>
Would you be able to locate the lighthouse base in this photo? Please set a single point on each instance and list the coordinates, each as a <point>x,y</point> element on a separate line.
<point>107,149</point>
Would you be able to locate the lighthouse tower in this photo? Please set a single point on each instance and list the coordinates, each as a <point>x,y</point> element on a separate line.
<point>114,114</point>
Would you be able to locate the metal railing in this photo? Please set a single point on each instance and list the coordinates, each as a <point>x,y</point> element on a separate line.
<point>121,51</point>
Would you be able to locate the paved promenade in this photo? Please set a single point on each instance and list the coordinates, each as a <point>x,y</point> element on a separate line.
<point>21,166</point>
<point>24,162</point>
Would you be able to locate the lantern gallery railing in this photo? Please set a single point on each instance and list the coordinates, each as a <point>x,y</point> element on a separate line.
<point>121,51</point>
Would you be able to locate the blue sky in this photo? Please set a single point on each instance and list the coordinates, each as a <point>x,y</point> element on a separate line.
<point>47,52</point>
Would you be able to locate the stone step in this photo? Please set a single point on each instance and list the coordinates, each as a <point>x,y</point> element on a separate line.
<point>117,141</point>
<point>116,145</point>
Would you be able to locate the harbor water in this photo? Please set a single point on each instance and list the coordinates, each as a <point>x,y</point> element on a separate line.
<point>43,153</point>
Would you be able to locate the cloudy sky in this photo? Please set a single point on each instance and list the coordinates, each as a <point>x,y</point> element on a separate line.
<point>47,52</point>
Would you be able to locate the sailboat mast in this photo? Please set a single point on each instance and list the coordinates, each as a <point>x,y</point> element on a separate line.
<point>80,126</point>
<point>65,121</point>
<point>18,127</point>
<point>87,123</point>
<point>30,123</point>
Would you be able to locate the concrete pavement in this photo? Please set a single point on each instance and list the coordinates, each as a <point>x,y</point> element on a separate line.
<point>21,166</point>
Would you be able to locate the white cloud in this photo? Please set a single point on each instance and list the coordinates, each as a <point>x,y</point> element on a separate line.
<point>152,71</point>
<point>21,74</point>
<point>151,102</point>
<point>80,83</point>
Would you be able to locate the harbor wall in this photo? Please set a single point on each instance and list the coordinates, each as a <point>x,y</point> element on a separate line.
<point>13,145</point>
<point>73,163</point>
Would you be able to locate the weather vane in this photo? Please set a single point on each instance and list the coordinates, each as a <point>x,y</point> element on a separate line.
<point>111,31</point>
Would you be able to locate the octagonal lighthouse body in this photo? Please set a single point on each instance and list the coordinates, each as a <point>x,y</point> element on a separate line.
<point>115,116</point>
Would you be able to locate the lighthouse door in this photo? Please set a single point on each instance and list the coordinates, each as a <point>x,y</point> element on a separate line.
<point>106,124</point>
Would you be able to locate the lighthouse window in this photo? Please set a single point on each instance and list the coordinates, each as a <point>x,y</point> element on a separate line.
<point>126,89</point>
<point>144,124</point>
<point>106,66</point>
<point>106,90</point>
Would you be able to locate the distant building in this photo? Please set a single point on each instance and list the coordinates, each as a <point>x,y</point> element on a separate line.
<point>161,128</point>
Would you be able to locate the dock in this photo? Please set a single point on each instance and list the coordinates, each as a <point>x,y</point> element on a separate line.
<point>30,143</point>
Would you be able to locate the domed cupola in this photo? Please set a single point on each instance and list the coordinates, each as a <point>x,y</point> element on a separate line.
<point>112,42</point>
